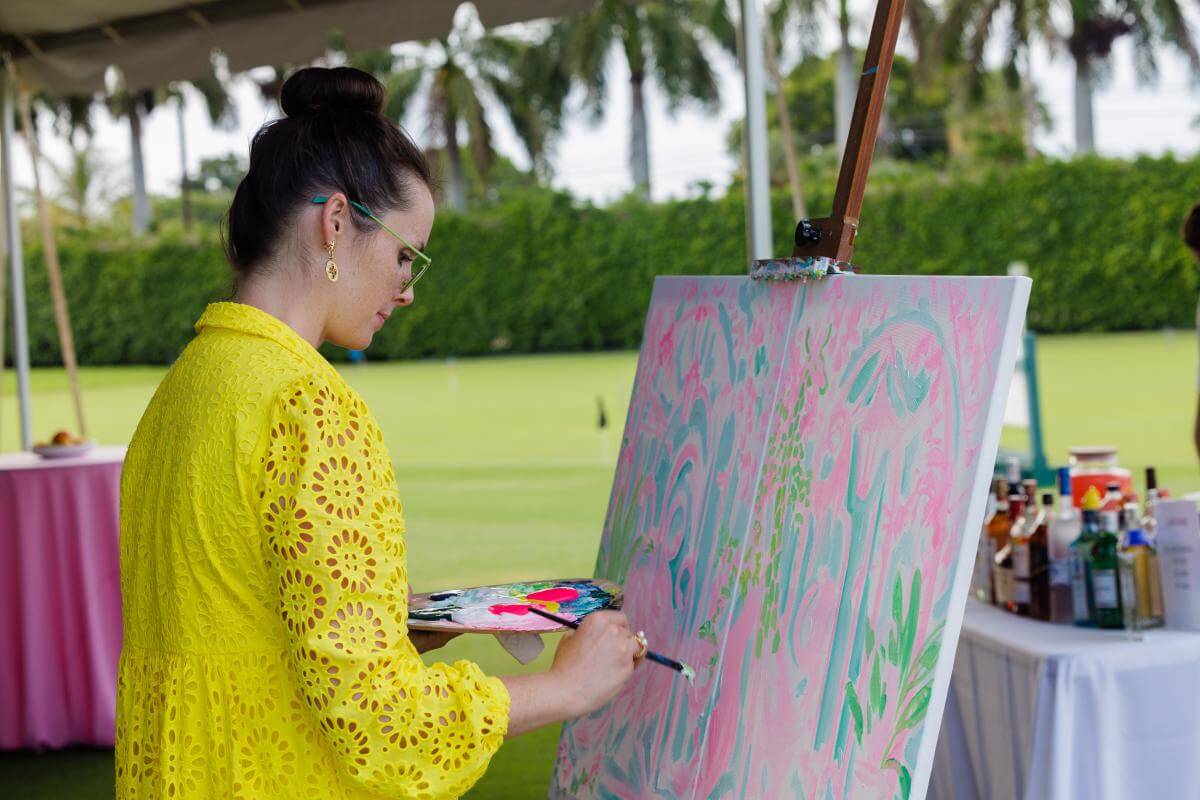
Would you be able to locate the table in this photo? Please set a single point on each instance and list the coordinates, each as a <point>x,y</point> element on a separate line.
<point>1051,712</point>
<point>60,598</point>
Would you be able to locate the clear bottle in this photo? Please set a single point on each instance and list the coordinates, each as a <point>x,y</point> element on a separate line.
<point>1065,527</point>
<point>1022,534</point>
<point>1082,601</point>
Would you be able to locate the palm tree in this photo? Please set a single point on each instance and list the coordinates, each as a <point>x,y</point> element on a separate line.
<point>805,17</point>
<point>222,113</point>
<point>461,75</point>
<point>661,40</point>
<point>133,105</point>
<point>85,182</point>
<point>1095,25</point>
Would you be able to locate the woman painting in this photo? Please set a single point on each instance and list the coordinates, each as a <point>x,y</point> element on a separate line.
<point>266,649</point>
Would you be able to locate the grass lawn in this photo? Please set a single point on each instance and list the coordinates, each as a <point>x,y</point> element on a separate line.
<point>504,476</point>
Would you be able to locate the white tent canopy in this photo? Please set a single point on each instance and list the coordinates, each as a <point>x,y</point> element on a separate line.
<point>66,46</point>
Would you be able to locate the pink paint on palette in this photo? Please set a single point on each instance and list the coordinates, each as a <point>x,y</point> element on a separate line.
<point>505,607</point>
<point>794,513</point>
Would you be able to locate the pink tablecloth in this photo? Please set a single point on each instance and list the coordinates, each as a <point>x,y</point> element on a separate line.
<point>60,598</point>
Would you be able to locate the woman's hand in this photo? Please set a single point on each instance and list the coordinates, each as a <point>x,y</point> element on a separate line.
<point>590,667</point>
<point>593,663</point>
<point>425,641</point>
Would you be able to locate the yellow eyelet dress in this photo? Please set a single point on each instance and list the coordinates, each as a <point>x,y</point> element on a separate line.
<point>265,593</point>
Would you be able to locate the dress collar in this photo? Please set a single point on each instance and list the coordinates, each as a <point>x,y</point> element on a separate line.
<point>256,322</point>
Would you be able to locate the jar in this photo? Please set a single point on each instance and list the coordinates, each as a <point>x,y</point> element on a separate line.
<point>1096,466</point>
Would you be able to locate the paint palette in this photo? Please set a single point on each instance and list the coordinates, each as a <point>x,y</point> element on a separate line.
<point>505,607</point>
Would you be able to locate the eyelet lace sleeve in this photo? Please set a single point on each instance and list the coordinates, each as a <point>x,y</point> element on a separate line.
<point>333,541</point>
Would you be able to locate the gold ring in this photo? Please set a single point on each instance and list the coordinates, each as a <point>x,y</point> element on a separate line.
<point>643,646</point>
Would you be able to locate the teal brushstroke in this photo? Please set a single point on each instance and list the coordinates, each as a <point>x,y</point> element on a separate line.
<point>727,333</point>
<point>858,511</point>
<point>827,465</point>
<point>798,597</point>
<point>854,670</point>
<point>913,388</point>
<point>863,379</point>
<point>922,318</point>
<point>910,455</point>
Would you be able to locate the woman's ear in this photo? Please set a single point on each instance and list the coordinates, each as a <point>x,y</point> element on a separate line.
<point>335,216</point>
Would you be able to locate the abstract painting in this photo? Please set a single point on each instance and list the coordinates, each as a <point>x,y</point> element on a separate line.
<point>505,607</point>
<point>795,513</point>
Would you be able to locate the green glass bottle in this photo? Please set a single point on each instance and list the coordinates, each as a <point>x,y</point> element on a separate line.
<point>1105,569</point>
<point>1082,601</point>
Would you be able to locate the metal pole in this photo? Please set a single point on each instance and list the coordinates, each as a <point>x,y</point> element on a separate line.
<point>758,171</point>
<point>12,227</point>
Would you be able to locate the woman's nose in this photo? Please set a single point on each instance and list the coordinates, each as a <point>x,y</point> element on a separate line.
<point>406,299</point>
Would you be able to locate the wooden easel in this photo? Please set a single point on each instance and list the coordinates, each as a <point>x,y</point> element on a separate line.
<point>829,241</point>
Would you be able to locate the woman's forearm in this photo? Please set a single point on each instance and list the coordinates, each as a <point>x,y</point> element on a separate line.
<point>538,699</point>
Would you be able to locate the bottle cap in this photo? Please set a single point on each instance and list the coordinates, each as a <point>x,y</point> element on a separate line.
<point>1136,537</point>
<point>1091,499</point>
<point>1064,480</point>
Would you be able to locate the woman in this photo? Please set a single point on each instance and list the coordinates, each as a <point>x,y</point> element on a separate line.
<point>266,650</point>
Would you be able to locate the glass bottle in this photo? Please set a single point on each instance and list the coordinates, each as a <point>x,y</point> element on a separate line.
<point>1082,602</point>
<point>1064,529</point>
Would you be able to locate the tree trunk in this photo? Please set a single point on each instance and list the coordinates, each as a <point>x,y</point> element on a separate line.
<point>1029,96</point>
<point>639,147</point>
<point>1085,137</point>
<point>846,86</point>
<point>141,201</point>
<point>785,127</point>
<point>185,191</point>
<point>458,179</point>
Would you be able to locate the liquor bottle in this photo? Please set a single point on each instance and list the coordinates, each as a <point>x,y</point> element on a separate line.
<point>1149,523</point>
<point>981,579</point>
<point>1014,474</point>
<point>1106,591</point>
<point>1064,529</point>
<point>1039,561</point>
<point>998,535</point>
<point>1082,602</point>
<point>1141,581</point>
<point>1004,557</point>
<point>1022,532</point>
<point>1113,499</point>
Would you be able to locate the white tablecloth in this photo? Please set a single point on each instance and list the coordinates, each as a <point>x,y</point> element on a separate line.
<point>1053,712</point>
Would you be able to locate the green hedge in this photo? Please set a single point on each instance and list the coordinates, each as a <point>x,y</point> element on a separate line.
<point>545,273</point>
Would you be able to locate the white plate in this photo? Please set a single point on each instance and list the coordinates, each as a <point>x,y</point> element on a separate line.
<point>63,450</point>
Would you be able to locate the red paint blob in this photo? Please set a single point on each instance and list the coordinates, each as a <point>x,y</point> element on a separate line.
<point>501,608</point>
<point>559,594</point>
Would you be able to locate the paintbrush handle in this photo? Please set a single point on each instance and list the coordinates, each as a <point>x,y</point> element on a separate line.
<point>650,654</point>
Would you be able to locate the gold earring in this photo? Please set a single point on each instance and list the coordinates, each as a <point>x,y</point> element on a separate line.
<point>331,269</point>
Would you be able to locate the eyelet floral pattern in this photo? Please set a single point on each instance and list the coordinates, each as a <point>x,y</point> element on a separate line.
<point>265,593</point>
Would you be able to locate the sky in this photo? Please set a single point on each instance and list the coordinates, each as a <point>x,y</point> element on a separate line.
<point>689,147</point>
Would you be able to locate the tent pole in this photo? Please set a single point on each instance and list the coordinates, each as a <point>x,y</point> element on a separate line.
<point>58,294</point>
<point>758,172</point>
<point>8,95</point>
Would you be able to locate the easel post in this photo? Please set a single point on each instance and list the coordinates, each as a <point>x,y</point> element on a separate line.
<point>833,237</point>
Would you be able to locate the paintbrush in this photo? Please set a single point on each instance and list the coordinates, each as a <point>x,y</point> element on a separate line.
<point>678,666</point>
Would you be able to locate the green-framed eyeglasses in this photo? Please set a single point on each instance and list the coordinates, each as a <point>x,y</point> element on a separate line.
<point>421,261</point>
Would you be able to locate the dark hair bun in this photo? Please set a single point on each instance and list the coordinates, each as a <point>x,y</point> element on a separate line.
<point>313,90</point>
